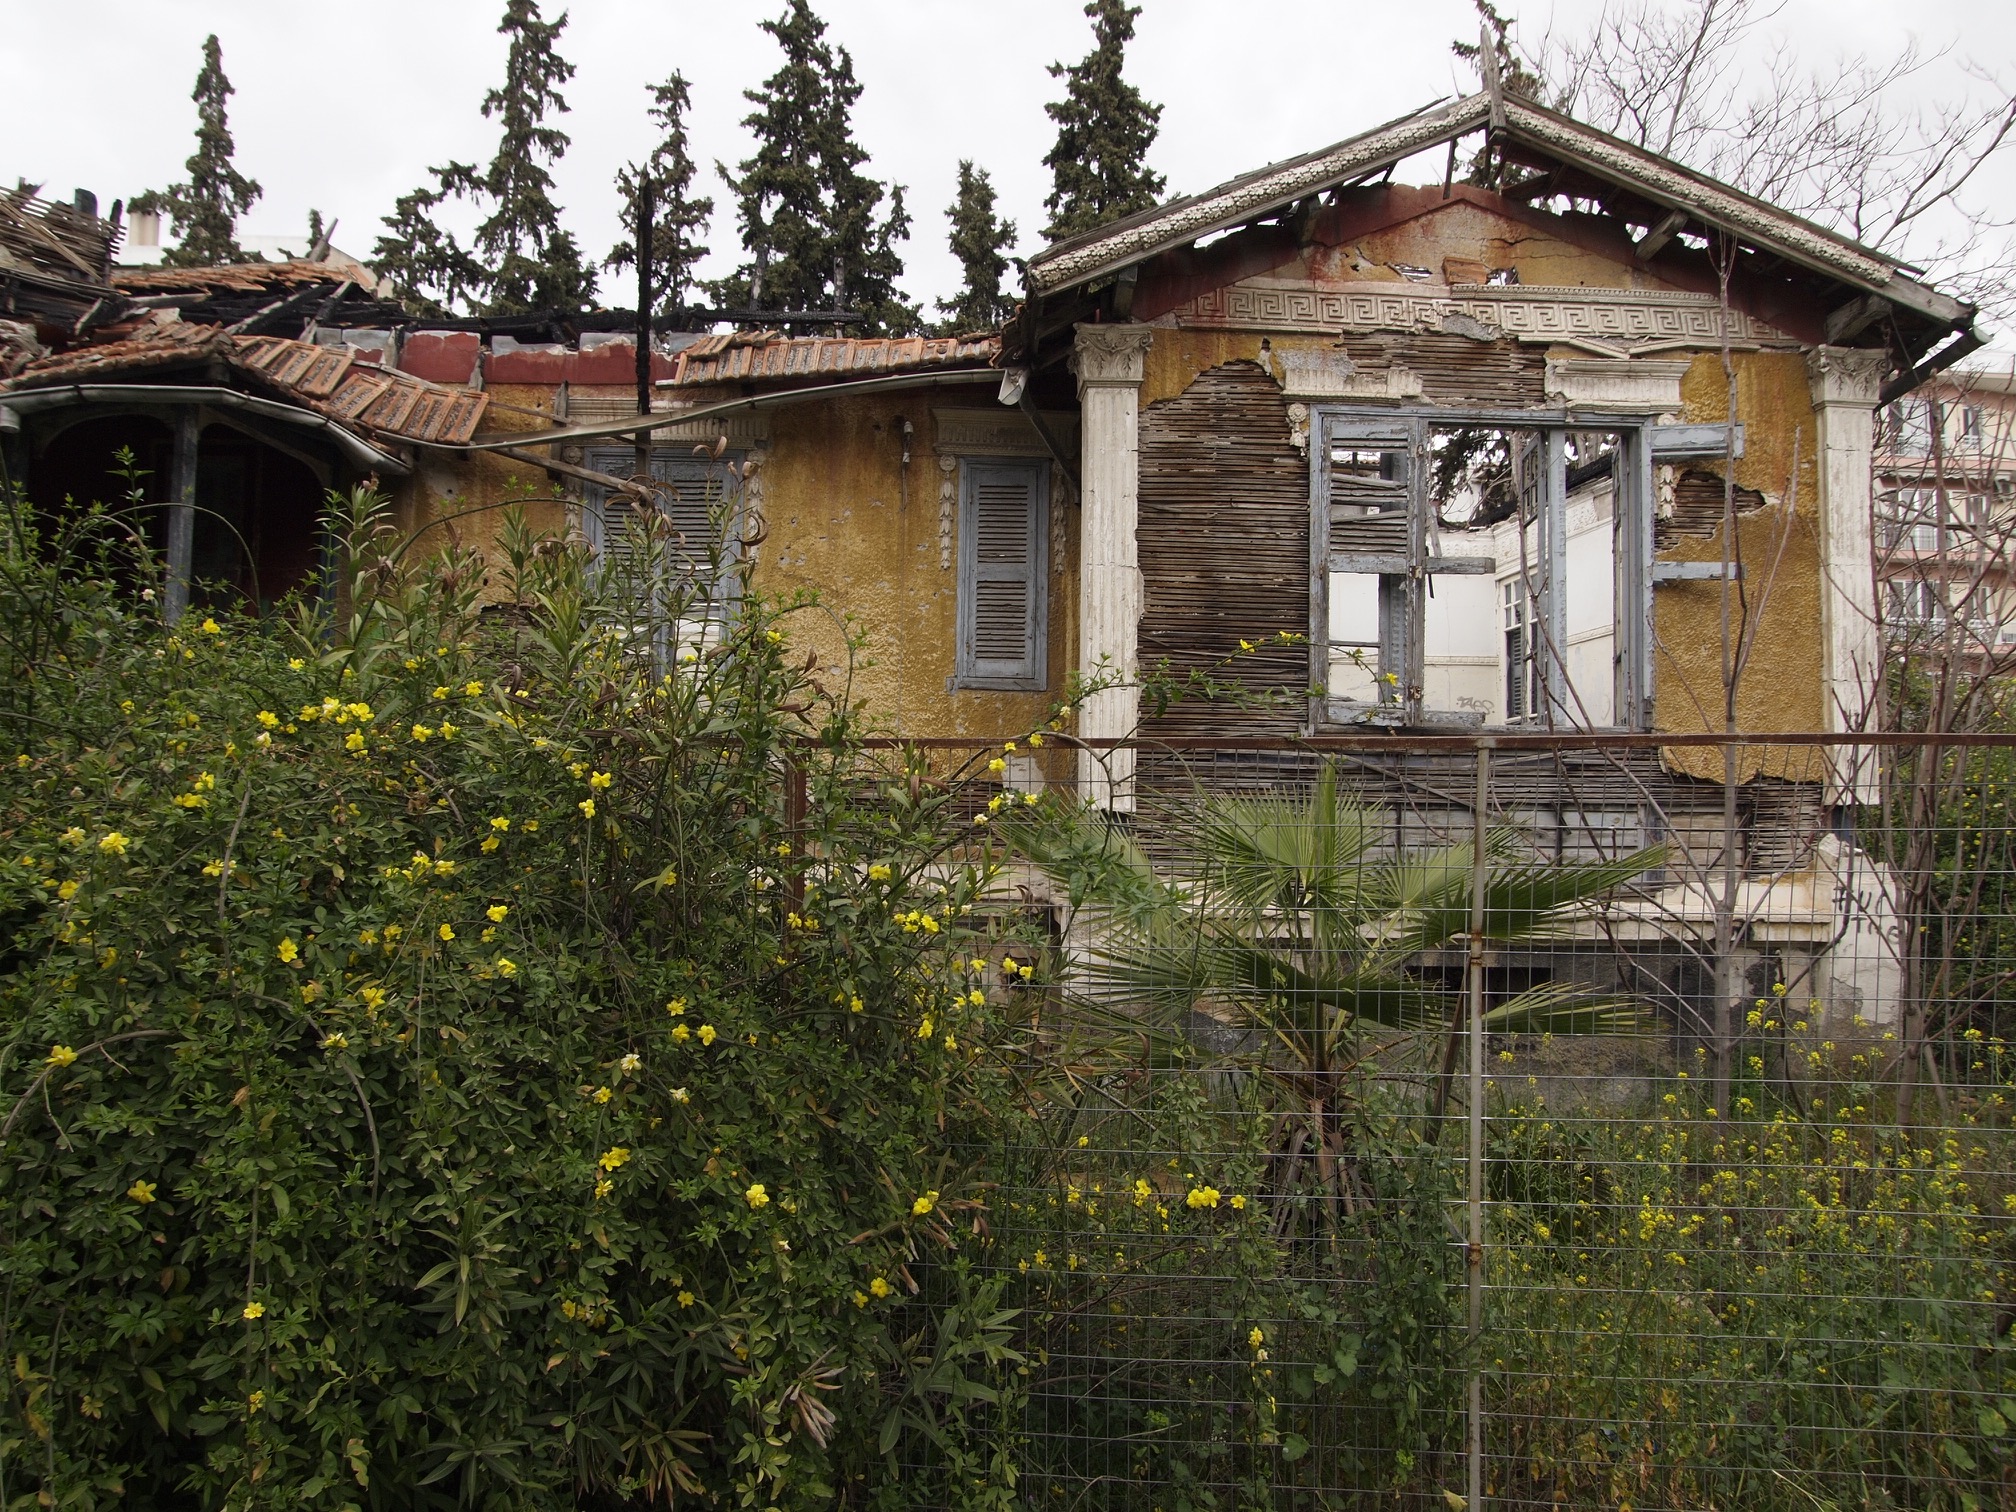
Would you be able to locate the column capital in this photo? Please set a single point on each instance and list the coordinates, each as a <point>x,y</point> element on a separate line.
<point>1107,356</point>
<point>1846,375</point>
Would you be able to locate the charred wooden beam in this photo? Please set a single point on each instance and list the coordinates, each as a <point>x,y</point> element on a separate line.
<point>1653,241</point>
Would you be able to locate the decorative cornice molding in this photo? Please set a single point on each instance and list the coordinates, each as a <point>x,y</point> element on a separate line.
<point>1111,355</point>
<point>1617,383</point>
<point>1846,375</point>
<point>998,432</point>
<point>1532,313</point>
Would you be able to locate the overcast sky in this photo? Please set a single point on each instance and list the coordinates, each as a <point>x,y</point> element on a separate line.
<point>344,107</point>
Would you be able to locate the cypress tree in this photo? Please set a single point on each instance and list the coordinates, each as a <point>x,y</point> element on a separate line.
<point>204,210</point>
<point>1098,168</point>
<point>678,221</point>
<point>808,214</point>
<point>522,260</point>
<point>979,239</point>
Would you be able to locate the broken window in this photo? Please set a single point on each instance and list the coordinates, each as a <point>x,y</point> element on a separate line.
<point>1482,572</point>
<point>1003,613</point>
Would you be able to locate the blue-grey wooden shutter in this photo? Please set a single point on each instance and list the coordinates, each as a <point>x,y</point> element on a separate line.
<point>1003,588</point>
<point>693,495</point>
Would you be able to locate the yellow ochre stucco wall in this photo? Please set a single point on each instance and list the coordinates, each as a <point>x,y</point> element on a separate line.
<point>1779,685</point>
<point>845,518</point>
<point>841,516</point>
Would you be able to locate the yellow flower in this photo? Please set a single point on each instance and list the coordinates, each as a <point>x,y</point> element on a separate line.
<point>687,1299</point>
<point>603,1094</point>
<point>61,1055</point>
<point>354,743</point>
<point>211,627</point>
<point>446,932</point>
<point>489,844</point>
<point>441,692</point>
<point>599,779</point>
<point>878,872</point>
<point>114,844</point>
<point>1238,1202</point>
<point>142,1192</point>
<point>855,1005</point>
<point>472,688</point>
<point>1036,740</point>
<point>506,966</point>
<point>861,1298</point>
<point>675,1006</point>
<point>1255,1339</point>
<point>1246,645</point>
<point>756,1196</point>
<point>495,912</point>
<point>681,1033</point>
<point>289,951</point>
<point>500,823</point>
<point>587,807</point>
<point>68,890</point>
<point>295,664</point>
<point>449,731</point>
<point>997,766</point>
<point>254,1311</point>
<point>254,1402</point>
<point>614,1158</point>
<point>422,733</point>
<point>1202,1197</point>
<point>923,1204</point>
<point>269,719</point>
<point>707,1034</point>
<point>680,1095</point>
<point>337,1041</point>
<point>72,836</point>
<point>603,1188</point>
<point>372,997</point>
<point>880,1287</point>
<point>926,1029</point>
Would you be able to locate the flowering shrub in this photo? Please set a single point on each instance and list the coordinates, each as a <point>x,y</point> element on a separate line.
<point>476,1056</point>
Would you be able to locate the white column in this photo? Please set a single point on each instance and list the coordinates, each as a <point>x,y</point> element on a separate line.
<point>1109,361</point>
<point>1844,383</point>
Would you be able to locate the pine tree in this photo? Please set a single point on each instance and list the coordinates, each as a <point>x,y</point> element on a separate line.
<point>808,213</point>
<point>979,239</point>
<point>677,220</point>
<point>522,260</point>
<point>1098,168</point>
<point>204,211</point>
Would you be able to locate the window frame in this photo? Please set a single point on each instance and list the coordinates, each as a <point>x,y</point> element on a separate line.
<point>964,675</point>
<point>1403,610</point>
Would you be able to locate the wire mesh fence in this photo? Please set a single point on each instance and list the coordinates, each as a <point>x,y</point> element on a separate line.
<point>1547,1121</point>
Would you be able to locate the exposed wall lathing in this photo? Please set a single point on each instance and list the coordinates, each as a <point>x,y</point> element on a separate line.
<point>1224,541</point>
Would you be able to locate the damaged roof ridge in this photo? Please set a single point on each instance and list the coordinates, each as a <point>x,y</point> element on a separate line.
<point>1443,120</point>
<point>1109,249</point>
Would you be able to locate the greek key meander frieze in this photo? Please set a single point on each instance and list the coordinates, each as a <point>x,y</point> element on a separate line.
<point>1534,315</point>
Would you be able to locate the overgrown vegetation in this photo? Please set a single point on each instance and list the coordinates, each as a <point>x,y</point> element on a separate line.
<point>443,1064</point>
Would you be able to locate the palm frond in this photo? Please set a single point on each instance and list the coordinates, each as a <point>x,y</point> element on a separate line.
<point>1565,1008</point>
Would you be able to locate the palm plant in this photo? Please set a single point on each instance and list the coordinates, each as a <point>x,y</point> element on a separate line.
<point>1284,917</point>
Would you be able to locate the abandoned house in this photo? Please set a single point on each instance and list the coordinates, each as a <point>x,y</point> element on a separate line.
<point>1375,457</point>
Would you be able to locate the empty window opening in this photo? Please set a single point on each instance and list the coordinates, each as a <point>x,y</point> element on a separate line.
<point>1474,574</point>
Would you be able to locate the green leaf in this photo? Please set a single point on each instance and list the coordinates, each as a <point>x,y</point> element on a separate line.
<point>1293,1447</point>
<point>1956,1453</point>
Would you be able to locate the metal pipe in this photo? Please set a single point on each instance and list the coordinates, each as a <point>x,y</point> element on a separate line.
<point>1474,1253</point>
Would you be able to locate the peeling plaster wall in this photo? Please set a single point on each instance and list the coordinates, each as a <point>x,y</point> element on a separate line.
<point>839,523</point>
<point>447,484</point>
<point>1781,688</point>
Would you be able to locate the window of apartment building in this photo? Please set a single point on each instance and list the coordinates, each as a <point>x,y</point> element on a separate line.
<point>1004,608</point>
<point>1483,572</point>
<point>1907,428</point>
<point>1971,422</point>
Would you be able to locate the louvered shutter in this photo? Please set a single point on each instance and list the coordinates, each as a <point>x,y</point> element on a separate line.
<point>693,495</point>
<point>1003,609</point>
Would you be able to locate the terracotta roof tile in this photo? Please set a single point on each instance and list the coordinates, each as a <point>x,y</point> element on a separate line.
<point>744,357</point>
<point>388,403</point>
